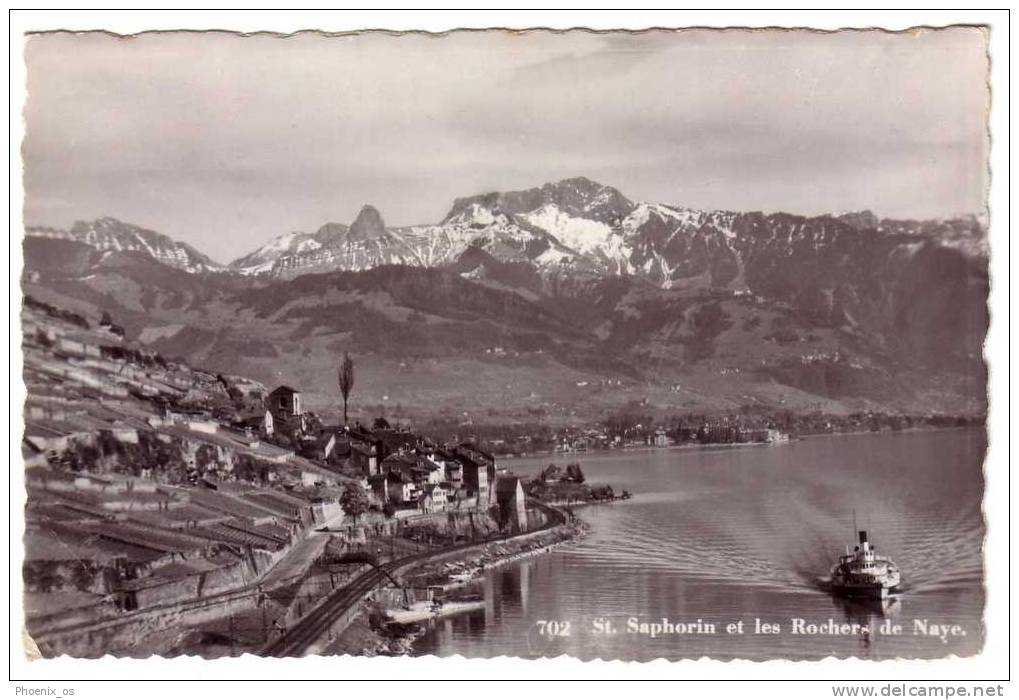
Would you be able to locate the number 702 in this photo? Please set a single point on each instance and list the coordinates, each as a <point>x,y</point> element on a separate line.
<point>553,628</point>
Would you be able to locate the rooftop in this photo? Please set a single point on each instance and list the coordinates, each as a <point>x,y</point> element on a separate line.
<point>284,389</point>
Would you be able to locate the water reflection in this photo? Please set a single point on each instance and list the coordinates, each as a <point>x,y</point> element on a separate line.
<point>730,535</point>
<point>488,591</point>
<point>871,616</point>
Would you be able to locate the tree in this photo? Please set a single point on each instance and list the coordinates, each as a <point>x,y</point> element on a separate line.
<point>574,473</point>
<point>346,381</point>
<point>354,501</point>
<point>549,472</point>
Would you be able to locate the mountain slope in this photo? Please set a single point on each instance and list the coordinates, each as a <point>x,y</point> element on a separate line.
<point>535,297</point>
<point>499,338</point>
<point>109,234</point>
<point>581,228</point>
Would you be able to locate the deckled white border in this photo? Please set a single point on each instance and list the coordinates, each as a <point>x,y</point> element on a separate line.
<point>991,664</point>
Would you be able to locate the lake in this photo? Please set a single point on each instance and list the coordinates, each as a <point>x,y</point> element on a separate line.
<point>746,536</point>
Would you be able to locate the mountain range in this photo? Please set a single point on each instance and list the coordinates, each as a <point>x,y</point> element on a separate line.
<point>110,234</point>
<point>569,297</point>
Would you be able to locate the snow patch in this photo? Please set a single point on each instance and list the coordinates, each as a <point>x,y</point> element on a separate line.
<point>582,235</point>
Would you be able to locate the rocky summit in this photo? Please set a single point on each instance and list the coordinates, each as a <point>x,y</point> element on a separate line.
<point>568,282</point>
<point>580,227</point>
<point>367,226</point>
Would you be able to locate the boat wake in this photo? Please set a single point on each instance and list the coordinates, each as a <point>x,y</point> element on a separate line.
<point>778,543</point>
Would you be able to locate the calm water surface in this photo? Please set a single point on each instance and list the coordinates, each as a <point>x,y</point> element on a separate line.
<point>728,534</point>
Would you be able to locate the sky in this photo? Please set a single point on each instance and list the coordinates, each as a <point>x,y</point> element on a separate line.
<point>226,142</point>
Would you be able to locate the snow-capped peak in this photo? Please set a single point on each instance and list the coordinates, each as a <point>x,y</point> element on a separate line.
<point>110,234</point>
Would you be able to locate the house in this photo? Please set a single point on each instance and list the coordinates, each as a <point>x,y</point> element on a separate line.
<point>476,481</point>
<point>360,433</point>
<point>258,421</point>
<point>389,441</point>
<point>488,457</point>
<point>432,498</point>
<point>435,496</point>
<point>433,469</point>
<point>322,447</point>
<point>509,496</point>
<point>401,463</point>
<point>660,438</point>
<point>341,450</point>
<point>364,456</point>
<point>284,403</point>
<point>325,508</point>
<point>478,472</point>
<point>378,488</point>
<point>401,488</point>
<point>454,472</point>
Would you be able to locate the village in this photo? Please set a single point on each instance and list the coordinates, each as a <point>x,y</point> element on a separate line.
<point>152,485</point>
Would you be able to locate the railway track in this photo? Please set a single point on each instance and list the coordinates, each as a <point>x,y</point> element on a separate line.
<point>294,641</point>
<point>312,627</point>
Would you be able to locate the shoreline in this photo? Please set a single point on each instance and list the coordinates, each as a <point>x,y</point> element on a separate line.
<point>398,638</point>
<point>494,555</point>
<point>593,502</point>
<point>727,445</point>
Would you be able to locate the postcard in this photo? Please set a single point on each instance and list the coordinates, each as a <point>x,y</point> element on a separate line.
<point>615,345</point>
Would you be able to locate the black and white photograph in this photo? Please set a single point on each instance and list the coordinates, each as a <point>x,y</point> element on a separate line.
<point>611,345</point>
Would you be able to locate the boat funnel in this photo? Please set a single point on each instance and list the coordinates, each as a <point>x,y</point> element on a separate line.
<point>863,536</point>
